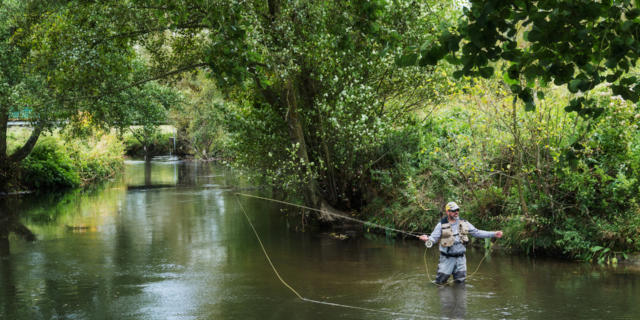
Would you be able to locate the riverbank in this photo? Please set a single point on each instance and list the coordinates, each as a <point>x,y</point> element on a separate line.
<point>406,192</point>
<point>63,161</point>
<point>633,260</point>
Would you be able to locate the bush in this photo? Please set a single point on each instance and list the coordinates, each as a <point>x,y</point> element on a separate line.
<point>98,157</point>
<point>49,166</point>
<point>555,182</point>
<point>62,161</point>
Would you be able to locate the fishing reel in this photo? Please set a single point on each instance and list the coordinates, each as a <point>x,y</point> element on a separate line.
<point>428,243</point>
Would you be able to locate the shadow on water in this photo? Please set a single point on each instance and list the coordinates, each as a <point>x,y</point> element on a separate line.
<point>8,287</point>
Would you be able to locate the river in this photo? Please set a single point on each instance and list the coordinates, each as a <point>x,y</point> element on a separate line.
<point>169,240</point>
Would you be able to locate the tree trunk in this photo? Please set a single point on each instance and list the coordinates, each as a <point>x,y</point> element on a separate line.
<point>9,222</point>
<point>298,91</point>
<point>9,163</point>
<point>311,191</point>
<point>5,172</point>
<point>4,124</point>
<point>331,178</point>
<point>25,150</point>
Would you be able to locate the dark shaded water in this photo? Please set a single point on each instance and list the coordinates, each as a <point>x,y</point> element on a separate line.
<point>169,242</point>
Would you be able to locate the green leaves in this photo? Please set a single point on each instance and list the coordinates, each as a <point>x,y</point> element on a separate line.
<point>576,85</point>
<point>526,95</point>
<point>580,44</point>
<point>407,60</point>
<point>432,55</point>
<point>587,108</point>
<point>486,72</point>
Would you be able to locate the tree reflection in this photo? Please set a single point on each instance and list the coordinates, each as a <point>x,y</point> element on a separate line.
<point>9,222</point>
<point>8,294</point>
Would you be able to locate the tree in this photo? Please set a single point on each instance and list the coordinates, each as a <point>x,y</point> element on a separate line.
<point>149,105</point>
<point>318,85</point>
<point>200,121</point>
<point>578,43</point>
<point>54,60</point>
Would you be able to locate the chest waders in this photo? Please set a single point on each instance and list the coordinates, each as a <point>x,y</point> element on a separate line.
<point>452,263</point>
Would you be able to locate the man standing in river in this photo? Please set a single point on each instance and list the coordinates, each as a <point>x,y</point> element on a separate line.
<point>453,235</point>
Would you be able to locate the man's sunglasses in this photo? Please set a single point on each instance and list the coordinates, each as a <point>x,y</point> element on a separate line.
<point>456,210</point>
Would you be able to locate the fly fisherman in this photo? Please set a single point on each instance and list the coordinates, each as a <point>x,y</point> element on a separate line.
<point>453,235</point>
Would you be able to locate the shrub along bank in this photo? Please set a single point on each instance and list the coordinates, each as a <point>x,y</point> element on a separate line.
<point>61,161</point>
<point>557,183</point>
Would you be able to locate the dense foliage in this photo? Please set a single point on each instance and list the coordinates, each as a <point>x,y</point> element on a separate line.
<point>558,183</point>
<point>65,66</point>
<point>61,161</point>
<point>328,93</point>
<point>201,122</point>
<point>316,85</point>
<point>156,142</point>
<point>333,103</point>
<point>578,43</point>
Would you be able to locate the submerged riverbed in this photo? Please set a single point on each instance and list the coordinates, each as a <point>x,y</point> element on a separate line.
<point>169,241</point>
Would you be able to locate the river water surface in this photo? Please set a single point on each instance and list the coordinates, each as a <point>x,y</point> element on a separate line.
<point>169,241</point>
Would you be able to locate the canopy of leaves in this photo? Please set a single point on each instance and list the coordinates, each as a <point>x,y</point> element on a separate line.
<point>333,65</point>
<point>65,65</point>
<point>578,43</point>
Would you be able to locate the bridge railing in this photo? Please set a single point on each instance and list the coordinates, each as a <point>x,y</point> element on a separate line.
<point>22,115</point>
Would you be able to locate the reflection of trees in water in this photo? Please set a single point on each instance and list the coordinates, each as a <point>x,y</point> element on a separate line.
<point>157,174</point>
<point>56,208</point>
<point>188,173</point>
<point>8,301</point>
<point>147,173</point>
<point>10,223</point>
<point>194,173</point>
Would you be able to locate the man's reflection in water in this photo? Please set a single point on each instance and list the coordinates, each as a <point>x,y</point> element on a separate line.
<point>453,300</point>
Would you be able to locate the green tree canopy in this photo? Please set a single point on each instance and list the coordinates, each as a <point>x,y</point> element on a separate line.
<point>63,64</point>
<point>578,43</point>
<point>317,84</point>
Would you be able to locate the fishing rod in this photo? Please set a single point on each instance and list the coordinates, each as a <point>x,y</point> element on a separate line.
<point>409,233</point>
<point>428,244</point>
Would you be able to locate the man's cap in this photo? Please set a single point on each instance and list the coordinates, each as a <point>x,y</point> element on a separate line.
<point>451,206</point>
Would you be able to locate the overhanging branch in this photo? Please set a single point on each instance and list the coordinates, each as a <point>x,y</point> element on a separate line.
<point>24,151</point>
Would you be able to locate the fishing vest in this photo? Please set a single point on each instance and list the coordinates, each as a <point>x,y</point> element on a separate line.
<point>448,237</point>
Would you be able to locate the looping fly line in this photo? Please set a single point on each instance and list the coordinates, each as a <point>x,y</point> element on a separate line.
<point>311,300</point>
<point>346,218</point>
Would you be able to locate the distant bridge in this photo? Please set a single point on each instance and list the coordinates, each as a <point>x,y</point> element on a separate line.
<point>19,124</point>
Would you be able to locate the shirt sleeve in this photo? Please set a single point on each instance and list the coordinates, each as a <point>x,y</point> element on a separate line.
<point>436,234</point>
<point>475,232</point>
